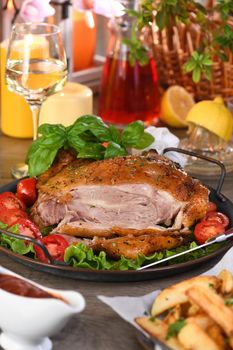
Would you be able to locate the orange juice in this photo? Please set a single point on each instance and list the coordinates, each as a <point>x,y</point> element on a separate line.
<point>83,39</point>
<point>16,117</point>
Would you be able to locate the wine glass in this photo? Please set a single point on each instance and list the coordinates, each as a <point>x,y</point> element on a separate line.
<point>36,68</point>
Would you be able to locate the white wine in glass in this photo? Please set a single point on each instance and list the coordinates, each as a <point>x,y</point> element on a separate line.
<point>36,68</point>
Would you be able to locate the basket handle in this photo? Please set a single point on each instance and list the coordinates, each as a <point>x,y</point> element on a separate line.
<point>208,159</point>
<point>34,241</point>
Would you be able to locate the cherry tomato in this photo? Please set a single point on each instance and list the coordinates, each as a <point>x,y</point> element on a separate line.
<point>28,228</point>
<point>11,216</point>
<point>211,206</point>
<point>105,144</point>
<point>10,201</point>
<point>26,191</point>
<point>207,229</point>
<point>56,245</point>
<point>218,217</point>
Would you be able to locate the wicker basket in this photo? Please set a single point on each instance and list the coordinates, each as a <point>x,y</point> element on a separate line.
<point>171,50</point>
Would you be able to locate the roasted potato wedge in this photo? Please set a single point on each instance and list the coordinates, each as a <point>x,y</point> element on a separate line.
<point>193,337</point>
<point>215,333</point>
<point>196,314</point>
<point>176,294</point>
<point>202,320</point>
<point>227,281</point>
<point>213,304</point>
<point>157,329</point>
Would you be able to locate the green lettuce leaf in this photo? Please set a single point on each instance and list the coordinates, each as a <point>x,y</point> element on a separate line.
<point>16,245</point>
<point>81,256</point>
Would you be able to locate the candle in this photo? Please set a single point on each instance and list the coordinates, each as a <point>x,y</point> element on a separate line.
<point>16,118</point>
<point>8,15</point>
<point>67,105</point>
<point>83,39</point>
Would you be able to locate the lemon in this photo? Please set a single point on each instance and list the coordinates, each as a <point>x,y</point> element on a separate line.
<point>175,105</point>
<point>213,116</point>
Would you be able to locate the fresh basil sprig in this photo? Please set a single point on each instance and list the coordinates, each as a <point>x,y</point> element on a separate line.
<point>86,136</point>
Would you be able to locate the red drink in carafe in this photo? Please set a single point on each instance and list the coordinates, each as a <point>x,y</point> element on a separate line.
<point>129,92</point>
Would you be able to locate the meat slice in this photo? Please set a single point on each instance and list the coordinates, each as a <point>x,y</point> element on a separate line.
<point>120,196</point>
<point>131,247</point>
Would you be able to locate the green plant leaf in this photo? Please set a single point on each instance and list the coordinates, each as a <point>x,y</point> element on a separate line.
<point>41,160</point>
<point>175,328</point>
<point>50,129</point>
<point>114,150</point>
<point>190,65</point>
<point>115,134</point>
<point>145,141</point>
<point>92,150</point>
<point>132,133</point>
<point>196,74</point>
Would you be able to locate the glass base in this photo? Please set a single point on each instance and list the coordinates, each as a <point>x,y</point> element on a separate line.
<point>206,143</point>
<point>19,170</point>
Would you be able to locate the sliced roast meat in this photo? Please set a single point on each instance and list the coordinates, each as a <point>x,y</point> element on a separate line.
<point>120,196</point>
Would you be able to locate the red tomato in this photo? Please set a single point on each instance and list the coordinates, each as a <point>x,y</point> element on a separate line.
<point>11,216</point>
<point>26,191</point>
<point>10,201</point>
<point>207,229</point>
<point>28,228</point>
<point>105,144</point>
<point>211,206</point>
<point>56,246</point>
<point>218,217</point>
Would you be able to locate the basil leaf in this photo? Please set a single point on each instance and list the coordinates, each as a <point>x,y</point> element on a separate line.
<point>52,141</point>
<point>32,149</point>
<point>115,134</point>
<point>42,159</point>
<point>92,123</point>
<point>145,141</point>
<point>76,142</point>
<point>50,128</point>
<point>92,150</point>
<point>132,133</point>
<point>114,150</point>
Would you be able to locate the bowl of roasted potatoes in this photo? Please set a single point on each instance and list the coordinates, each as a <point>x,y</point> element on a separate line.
<point>195,314</point>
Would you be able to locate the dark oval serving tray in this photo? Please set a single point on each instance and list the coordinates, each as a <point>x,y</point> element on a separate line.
<point>224,205</point>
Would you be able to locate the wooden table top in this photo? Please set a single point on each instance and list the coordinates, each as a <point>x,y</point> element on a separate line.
<point>98,327</point>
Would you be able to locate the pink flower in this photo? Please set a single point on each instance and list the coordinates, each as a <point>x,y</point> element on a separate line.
<point>36,10</point>
<point>107,8</point>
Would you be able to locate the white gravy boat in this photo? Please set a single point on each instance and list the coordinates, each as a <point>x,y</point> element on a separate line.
<point>26,322</point>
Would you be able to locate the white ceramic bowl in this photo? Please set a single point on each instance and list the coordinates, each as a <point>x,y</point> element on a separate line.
<point>27,323</point>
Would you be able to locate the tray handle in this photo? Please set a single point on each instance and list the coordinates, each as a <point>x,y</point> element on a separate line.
<point>34,241</point>
<point>208,159</point>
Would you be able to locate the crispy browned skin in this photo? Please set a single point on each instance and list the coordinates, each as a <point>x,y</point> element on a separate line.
<point>151,169</point>
<point>119,231</point>
<point>131,247</point>
<point>62,159</point>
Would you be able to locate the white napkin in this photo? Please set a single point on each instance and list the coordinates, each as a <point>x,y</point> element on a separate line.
<point>131,307</point>
<point>164,139</point>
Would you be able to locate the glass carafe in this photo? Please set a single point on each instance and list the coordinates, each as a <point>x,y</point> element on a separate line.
<point>129,89</point>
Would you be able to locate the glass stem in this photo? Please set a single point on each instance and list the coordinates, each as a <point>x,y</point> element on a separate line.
<point>35,108</point>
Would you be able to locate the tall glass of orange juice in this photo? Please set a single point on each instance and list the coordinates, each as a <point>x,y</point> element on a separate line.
<point>83,39</point>
<point>16,118</point>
